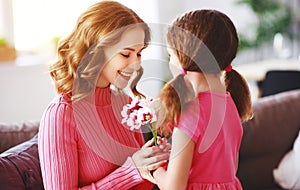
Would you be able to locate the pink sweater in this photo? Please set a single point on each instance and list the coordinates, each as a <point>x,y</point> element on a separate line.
<point>78,152</point>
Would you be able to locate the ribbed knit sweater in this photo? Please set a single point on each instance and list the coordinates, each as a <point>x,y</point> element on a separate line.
<point>83,145</point>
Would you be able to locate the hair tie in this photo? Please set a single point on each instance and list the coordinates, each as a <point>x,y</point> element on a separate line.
<point>183,71</point>
<point>228,68</point>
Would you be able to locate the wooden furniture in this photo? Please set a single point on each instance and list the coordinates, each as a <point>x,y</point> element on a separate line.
<point>257,71</point>
<point>7,53</point>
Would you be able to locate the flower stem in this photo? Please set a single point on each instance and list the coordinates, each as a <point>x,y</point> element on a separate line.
<point>154,134</point>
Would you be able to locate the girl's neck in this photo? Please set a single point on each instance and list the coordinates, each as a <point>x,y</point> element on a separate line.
<point>206,82</point>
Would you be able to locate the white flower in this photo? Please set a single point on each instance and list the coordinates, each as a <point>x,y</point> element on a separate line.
<point>146,115</point>
<point>124,114</point>
<point>138,113</point>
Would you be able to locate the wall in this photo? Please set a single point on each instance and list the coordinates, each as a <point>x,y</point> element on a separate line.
<point>25,91</point>
<point>6,21</point>
<point>240,14</point>
<point>159,15</point>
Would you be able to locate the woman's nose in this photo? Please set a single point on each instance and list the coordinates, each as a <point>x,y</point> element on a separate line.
<point>135,64</point>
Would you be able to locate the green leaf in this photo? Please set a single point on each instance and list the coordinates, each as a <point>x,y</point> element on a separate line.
<point>3,42</point>
<point>273,17</point>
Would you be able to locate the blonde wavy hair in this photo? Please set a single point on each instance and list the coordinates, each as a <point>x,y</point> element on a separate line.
<point>81,56</point>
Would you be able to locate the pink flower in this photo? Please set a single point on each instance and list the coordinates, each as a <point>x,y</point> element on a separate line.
<point>139,113</point>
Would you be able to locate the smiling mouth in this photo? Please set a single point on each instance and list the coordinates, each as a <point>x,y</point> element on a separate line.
<point>125,75</point>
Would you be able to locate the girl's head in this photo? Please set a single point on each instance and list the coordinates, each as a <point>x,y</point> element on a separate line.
<point>203,41</point>
<point>82,56</point>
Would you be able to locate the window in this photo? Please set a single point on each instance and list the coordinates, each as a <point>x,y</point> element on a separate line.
<point>37,23</point>
<point>32,25</point>
<point>6,21</point>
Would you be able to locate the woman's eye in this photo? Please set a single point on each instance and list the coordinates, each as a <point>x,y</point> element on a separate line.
<point>125,55</point>
<point>139,54</point>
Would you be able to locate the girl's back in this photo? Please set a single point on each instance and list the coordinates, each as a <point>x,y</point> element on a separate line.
<point>217,138</point>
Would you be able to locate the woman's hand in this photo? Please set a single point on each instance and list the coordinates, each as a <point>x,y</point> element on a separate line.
<point>150,157</point>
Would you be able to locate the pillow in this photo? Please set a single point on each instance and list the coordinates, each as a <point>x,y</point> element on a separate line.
<point>287,175</point>
<point>20,167</point>
<point>16,133</point>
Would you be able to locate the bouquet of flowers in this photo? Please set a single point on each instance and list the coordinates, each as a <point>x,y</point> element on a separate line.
<point>139,113</point>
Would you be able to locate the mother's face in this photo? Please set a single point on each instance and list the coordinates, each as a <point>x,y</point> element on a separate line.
<point>122,59</point>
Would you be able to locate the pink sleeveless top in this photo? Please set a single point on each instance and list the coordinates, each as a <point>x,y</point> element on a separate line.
<point>213,123</point>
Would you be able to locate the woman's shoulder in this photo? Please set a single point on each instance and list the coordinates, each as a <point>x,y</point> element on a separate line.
<point>58,113</point>
<point>61,103</point>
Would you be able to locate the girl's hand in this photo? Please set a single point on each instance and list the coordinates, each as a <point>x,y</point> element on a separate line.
<point>150,157</point>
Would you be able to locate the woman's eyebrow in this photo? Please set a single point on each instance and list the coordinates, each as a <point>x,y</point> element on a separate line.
<point>132,49</point>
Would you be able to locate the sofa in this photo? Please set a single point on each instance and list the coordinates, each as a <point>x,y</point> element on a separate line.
<point>19,161</point>
<point>267,138</point>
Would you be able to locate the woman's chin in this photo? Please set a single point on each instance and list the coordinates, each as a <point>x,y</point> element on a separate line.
<point>121,85</point>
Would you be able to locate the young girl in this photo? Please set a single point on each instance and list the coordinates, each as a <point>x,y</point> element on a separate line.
<point>82,143</point>
<point>204,104</point>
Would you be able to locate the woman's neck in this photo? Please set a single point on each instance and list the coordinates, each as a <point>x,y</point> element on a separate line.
<point>206,82</point>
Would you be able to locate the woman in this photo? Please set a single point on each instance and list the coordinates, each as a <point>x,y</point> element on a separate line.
<point>82,143</point>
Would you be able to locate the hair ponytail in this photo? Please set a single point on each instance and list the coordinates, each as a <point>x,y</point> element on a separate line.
<point>173,97</point>
<point>240,93</point>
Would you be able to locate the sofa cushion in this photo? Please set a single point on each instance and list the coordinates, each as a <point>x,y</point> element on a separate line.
<point>16,133</point>
<point>267,138</point>
<point>20,167</point>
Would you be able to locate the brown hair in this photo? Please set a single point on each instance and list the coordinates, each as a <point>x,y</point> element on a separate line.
<point>204,41</point>
<point>80,55</point>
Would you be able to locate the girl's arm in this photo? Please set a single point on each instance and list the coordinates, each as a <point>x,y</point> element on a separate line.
<point>177,173</point>
<point>237,162</point>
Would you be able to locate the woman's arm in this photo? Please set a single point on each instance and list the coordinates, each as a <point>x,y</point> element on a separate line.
<point>58,151</point>
<point>177,173</point>
<point>125,177</point>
